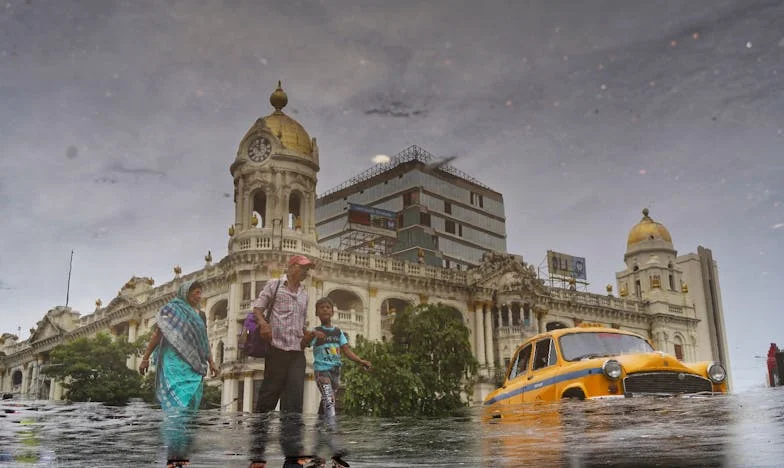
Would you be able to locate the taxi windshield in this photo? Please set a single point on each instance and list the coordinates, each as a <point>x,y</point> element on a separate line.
<point>577,346</point>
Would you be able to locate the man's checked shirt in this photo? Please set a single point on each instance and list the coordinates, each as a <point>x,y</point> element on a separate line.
<point>288,313</point>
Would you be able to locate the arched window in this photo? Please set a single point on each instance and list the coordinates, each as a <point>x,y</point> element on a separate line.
<point>295,211</point>
<point>219,310</point>
<point>260,207</point>
<point>348,306</point>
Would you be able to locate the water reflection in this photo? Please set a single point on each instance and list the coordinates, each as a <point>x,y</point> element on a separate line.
<point>736,430</point>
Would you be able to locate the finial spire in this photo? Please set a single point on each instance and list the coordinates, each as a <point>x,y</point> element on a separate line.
<point>278,98</point>
<point>645,212</point>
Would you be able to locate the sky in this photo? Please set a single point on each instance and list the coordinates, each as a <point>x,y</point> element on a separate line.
<point>119,121</point>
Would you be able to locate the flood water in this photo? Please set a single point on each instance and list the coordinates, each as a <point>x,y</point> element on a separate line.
<point>745,429</point>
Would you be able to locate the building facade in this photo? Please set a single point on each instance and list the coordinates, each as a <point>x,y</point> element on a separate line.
<point>674,300</point>
<point>445,217</point>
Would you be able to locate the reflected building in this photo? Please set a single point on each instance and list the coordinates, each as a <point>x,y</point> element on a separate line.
<point>674,300</point>
<point>444,217</point>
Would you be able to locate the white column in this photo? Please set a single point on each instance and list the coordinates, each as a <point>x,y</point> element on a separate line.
<point>229,395</point>
<point>373,316</point>
<point>230,348</point>
<point>479,334</point>
<point>58,390</point>
<point>25,381</point>
<point>51,389</point>
<point>133,326</point>
<point>247,394</point>
<point>489,340</point>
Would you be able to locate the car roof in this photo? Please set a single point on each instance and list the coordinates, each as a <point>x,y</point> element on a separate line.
<point>588,328</point>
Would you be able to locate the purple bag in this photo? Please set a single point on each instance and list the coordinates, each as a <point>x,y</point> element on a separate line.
<point>251,342</point>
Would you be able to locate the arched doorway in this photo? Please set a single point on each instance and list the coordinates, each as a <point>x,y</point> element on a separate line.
<point>389,309</point>
<point>349,312</point>
<point>295,211</point>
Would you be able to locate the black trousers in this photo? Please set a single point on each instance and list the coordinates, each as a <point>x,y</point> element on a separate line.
<point>284,381</point>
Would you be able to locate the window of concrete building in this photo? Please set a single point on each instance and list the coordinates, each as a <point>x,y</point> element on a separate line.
<point>410,198</point>
<point>259,288</point>
<point>400,222</point>
<point>447,207</point>
<point>435,242</point>
<point>477,200</point>
<point>449,226</point>
<point>460,230</point>
<point>424,219</point>
<point>446,263</point>
<point>526,314</point>
<point>246,291</point>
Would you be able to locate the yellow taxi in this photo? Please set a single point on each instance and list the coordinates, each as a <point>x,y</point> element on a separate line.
<point>592,361</point>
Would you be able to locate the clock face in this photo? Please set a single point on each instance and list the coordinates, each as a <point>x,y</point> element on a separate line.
<point>259,149</point>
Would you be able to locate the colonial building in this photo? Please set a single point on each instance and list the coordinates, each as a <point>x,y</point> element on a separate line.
<point>674,300</point>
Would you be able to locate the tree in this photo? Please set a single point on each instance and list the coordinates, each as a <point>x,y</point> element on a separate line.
<point>94,369</point>
<point>425,371</point>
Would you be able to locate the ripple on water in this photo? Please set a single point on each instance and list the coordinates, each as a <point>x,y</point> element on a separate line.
<point>737,430</point>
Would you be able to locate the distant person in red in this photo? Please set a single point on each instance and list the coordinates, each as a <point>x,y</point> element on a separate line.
<point>773,377</point>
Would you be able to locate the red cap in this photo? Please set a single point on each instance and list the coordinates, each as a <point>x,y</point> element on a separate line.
<point>300,260</point>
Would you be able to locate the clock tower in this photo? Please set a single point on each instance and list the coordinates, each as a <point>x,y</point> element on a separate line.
<point>274,180</point>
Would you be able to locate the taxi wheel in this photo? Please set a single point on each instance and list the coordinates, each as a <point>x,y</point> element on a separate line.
<point>574,394</point>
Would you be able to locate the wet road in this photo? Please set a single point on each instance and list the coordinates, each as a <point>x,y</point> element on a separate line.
<point>745,429</point>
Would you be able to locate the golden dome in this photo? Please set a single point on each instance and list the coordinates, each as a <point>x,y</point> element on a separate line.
<point>647,229</point>
<point>290,133</point>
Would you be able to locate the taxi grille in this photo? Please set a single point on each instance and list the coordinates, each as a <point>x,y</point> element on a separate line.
<point>666,382</point>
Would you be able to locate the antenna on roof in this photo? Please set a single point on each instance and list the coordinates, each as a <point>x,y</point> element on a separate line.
<point>68,287</point>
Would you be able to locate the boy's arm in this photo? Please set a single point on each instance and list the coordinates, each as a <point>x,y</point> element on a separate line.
<point>346,350</point>
<point>307,338</point>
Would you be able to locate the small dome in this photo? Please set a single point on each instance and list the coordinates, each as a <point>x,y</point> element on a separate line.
<point>647,229</point>
<point>291,134</point>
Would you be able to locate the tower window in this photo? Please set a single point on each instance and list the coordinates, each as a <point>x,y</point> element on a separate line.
<point>637,289</point>
<point>260,208</point>
<point>672,283</point>
<point>295,213</point>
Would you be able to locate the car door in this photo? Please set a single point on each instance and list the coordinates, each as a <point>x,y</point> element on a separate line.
<point>541,378</point>
<point>517,376</point>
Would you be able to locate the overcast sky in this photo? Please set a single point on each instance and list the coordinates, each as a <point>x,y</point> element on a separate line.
<point>119,121</point>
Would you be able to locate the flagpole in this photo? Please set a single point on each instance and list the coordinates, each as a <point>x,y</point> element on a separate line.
<point>68,288</point>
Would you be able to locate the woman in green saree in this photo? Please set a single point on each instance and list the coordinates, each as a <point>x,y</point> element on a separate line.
<point>182,358</point>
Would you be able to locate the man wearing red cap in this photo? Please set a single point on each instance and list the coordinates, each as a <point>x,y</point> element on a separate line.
<point>284,367</point>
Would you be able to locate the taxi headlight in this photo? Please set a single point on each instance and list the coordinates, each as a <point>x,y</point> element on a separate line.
<point>612,369</point>
<point>716,372</point>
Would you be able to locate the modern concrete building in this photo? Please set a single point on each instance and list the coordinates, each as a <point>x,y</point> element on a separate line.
<point>674,300</point>
<point>445,217</point>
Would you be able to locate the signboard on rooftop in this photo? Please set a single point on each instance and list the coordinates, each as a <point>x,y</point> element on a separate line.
<point>373,220</point>
<point>561,264</point>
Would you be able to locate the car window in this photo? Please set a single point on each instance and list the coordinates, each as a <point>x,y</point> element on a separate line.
<point>553,355</point>
<point>521,362</point>
<point>585,345</point>
<point>542,354</point>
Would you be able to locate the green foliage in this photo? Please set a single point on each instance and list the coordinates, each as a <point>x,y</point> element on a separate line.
<point>94,369</point>
<point>212,397</point>
<point>425,371</point>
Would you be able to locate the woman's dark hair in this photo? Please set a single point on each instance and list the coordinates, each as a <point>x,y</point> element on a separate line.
<point>195,285</point>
